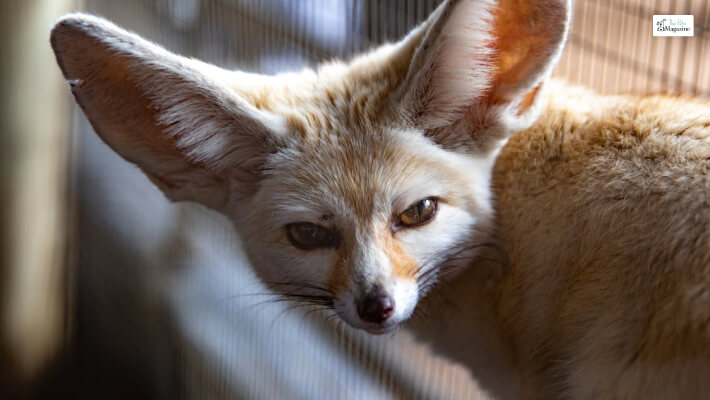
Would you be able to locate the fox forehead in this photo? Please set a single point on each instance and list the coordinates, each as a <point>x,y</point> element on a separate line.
<point>354,92</point>
<point>364,175</point>
<point>350,154</point>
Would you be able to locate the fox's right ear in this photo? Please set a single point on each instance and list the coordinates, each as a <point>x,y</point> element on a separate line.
<point>172,116</point>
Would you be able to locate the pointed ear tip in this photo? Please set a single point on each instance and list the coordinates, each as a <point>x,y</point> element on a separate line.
<point>62,28</point>
<point>74,31</point>
<point>60,36</point>
<point>76,23</point>
<point>72,21</point>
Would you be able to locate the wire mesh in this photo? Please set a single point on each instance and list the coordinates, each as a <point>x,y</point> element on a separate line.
<point>211,350</point>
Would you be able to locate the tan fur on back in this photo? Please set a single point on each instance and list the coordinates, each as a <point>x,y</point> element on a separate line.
<point>604,216</point>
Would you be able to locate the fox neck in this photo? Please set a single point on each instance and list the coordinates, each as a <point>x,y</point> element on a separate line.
<point>465,321</point>
<point>463,325</point>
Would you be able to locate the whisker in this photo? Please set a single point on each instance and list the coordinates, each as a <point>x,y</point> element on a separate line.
<point>239,295</point>
<point>452,262</point>
<point>295,293</point>
<point>452,256</point>
<point>290,308</point>
<point>317,309</point>
<point>299,285</point>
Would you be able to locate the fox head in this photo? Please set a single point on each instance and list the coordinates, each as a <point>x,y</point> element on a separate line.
<point>351,185</point>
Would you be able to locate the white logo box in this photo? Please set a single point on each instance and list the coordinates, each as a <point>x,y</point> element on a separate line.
<point>673,25</point>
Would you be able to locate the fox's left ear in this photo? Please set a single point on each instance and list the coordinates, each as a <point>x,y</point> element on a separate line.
<point>174,117</point>
<point>479,66</point>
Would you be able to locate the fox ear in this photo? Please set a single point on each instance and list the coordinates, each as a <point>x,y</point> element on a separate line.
<point>170,115</point>
<point>481,63</point>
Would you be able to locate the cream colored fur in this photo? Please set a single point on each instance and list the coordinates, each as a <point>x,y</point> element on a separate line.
<point>586,278</point>
<point>598,288</point>
<point>605,220</point>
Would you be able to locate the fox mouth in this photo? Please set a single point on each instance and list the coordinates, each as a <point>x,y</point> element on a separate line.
<point>370,327</point>
<point>380,329</point>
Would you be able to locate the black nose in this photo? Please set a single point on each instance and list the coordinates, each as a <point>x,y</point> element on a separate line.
<point>376,306</point>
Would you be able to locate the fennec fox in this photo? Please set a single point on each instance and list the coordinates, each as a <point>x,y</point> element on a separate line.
<point>359,185</point>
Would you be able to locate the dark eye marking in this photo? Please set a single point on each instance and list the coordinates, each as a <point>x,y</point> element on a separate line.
<point>308,236</point>
<point>417,214</point>
<point>326,217</point>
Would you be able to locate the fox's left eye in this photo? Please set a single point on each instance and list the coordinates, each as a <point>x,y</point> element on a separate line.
<point>419,213</point>
<point>307,236</point>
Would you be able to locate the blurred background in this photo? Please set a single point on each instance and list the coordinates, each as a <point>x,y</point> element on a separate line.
<point>109,291</point>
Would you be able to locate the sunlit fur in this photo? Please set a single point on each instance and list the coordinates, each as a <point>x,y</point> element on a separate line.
<point>348,146</point>
<point>605,216</point>
<point>597,282</point>
<point>597,286</point>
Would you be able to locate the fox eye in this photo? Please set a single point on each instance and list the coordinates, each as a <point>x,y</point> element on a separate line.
<point>307,236</point>
<point>419,213</point>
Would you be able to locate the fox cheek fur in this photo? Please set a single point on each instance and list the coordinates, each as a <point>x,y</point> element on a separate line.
<point>342,196</point>
<point>346,148</point>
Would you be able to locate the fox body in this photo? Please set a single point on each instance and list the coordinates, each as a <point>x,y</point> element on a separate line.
<point>360,185</point>
<point>598,285</point>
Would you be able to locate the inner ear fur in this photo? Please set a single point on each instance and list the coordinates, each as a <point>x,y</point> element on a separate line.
<point>170,115</point>
<point>485,61</point>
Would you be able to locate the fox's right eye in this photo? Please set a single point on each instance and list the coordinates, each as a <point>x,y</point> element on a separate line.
<point>307,236</point>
